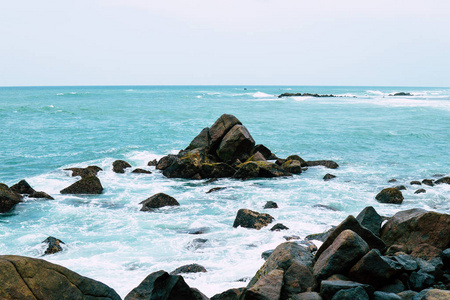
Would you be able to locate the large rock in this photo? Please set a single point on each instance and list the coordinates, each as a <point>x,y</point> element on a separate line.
<point>53,245</point>
<point>216,170</point>
<point>443,180</point>
<point>307,296</point>
<point>235,143</point>
<point>22,187</point>
<point>87,185</point>
<point>30,278</point>
<point>192,268</point>
<point>157,201</point>
<point>370,219</point>
<point>283,257</point>
<point>8,198</point>
<point>263,169</point>
<point>341,255</point>
<point>231,294</point>
<point>326,163</point>
<point>162,286</point>
<point>390,195</point>
<point>297,158</point>
<point>292,166</point>
<point>166,161</point>
<point>202,140</point>
<point>351,294</point>
<point>297,279</point>
<point>188,165</point>
<point>417,226</point>
<point>263,150</point>
<point>372,269</point>
<point>251,219</point>
<point>352,224</point>
<point>85,172</point>
<point>267,287</point>
<point>119,166</point>
<point>221,127</point>
<point>328,288</point>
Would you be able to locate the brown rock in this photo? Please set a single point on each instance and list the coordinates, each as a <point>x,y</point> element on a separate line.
<point>85,172</point>
<point>231,294</point>
<point>426,252</point>
<point>417,226</point>
<point>251,219</point>
<point>216,170</point>
<point>152,163</point>
<point>87,185</point>
<point>166,161</point>
<point>307,296</point>
<point>263,169</point>
<point>256,157</point>
<point>236,142</point>
<point>202,140</point>
<point>141,171</point>
<point>292,166</point>
<point>119,166</point>
<point>41,195</point>
<point>390,195</point>
<point>267,154</point>
<point>268,287</point>
<point>221,127</point>
<point>8,198</point>
<point>157,201</point>
<point>443,180</point>
<point>326,163</point>
<point>192,268</point>
<point>297,279</point>
<point>54,245</point>
<point>22,187</point>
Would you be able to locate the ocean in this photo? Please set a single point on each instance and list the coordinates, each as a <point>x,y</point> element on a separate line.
<point>374,137</point>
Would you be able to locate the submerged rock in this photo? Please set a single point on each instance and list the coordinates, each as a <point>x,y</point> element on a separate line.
<point>251,219</point>
<point>8,198</point>
<point>54,245</point>
<point>326,163</point>
<point>420,191</point>
<point>216,189</point>
<point>192,268</point>
<point>119,166</point>
<point>270,204</point>
<point>443,180</point>
<point>87,185</point>
<point>85,172</point>
<point>141,171</point>
<point>278,227</point>
<point>328,176</point>
<point>157,201</point>
<point>41,195</point>
<point>30,278</point>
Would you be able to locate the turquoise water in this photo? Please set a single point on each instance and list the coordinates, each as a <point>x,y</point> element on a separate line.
<point>372,136</point>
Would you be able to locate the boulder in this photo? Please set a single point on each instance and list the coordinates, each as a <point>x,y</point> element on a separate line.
<point>372,269</point>
<point>141,171</point>
<point>41,195</point>
<point>262,169</point>
<point>231,294</point>
<point>292,166</point>
<point>320,236</point>
<point>341,255</point>
<point>395,287</point>
<point>420,191</point>
<point>282,258</point>
<point>390,195</point>
<point>8,198</point>
<point>166,161</point>
<point>400,187</point>
<point>202,140</point>
<point>297,279</point>
<point>256,157</point>
<point>267,287</point>
<point>30,278</point>
<point>446,258</point>
<point>235,143</point>
<point>152,163</point>
<point>443,180</point>
<point>426,252</point>
<point>307,296</point>
<point>326,207</point>
<point>119,166</point>
<point>328,176</point>
<point>415,182</point>
<point>192,268</point>
<point>270,204</point>
<point>157,201</point>
<point>278,227</point>
<point>221,127</point>
<point>420,280</point>
<point>266,254</point>
<point>352,224</point>
<point>162,286</point>
<point>216,170</point>
<point>53,245</point>
<point>417,226</point>
<point>88,185</point>
<point>433,294</point>
<point>85,172</point>
<point>428,182</point>
<point>188,165</point>
<point>370,219</point>
<point>328,288</point>
<point>251,219</point>
<point>22,187</point>
<point>351,294</point>
<point>266,153</point>
<point>378,295</point>
<point>326,163</point>
<point>297,158</point>
<point>407,262</point>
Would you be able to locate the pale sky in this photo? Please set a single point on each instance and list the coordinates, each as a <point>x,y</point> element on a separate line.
<point>246,42</point>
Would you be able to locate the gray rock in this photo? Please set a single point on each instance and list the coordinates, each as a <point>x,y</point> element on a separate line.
<point>370,219</point>
<point>326,163</point>
<point>385,296</point>
<point>328,288</point>
<point>420,280</point>
<point>351,294</point>
<point>251,219</point>
<point>267,287</point>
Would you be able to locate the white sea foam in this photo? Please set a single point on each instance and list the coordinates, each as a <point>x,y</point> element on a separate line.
<point>261,95</point>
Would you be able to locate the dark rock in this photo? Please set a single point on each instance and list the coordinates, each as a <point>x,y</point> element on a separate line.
<point>433,294</point>
<point>390,195</point>
<point>267,154</point>
<point>54,245</point>
<point>166,161</point>
<point>351,294</point>
<point>251,219</point>
<point>157,201</point>
<point>395,250</point>
<point>267,287</point>
<point>446,258</point>
<point>266,254</point>
<point>372,269</point>
<point>141,171</point>
<point>303,95</point>
<point>420,280</point>
<point>217,170</point>
<point>85,172</point>
<point>199,230</point>
<point>199,295</point>
<point>385,296</point>
<point>443,180</point>
<point>152,163</point>
<point>401,94</point>
<point>292,166</point>
<point>196,176</point>
<point>395,287</point>
<point>235,143</point>
<point>351,223</point>
<point>433,267</point>
<point>407,262</point>
<point>192,268</point>
<point>297,158</point>
<point>428,182</point>
<point>262,169</point>
<point>335,277</point>
<point>415,182</point>
<point>417,226</point>
<point>88,185</point>
<point>426,252</point>
<point>392,180</point>
<point>328,176</point>
<point>188,165</point>
<point>319,236</point>
<point>270,204</point>
<point>221,127</point>
<point>420,191</point>
<point>162,286</point>
<point>231,294</point>
<point>216,189</point>
<point>119,166</point>
<point>326,163</point>
<point>210,180</point>
<point>30,278</point>
<point>400,187</point>
<point>196,244</point>
<point>307,296</point>
<point>283,257</point>
<point>202,140</point>
<point>325,207</point>
<point>22,187</point>
<point>280,161</point>
<point>41,195</point>
<point>370,219</point>
<point>297,279</point>
<point>278,227</point>
<point>407,295</point>
<point>329,288</point>
<point>291,237</point>
<point>8,198</point>
<point>256,157</point>
<point>341,255</point>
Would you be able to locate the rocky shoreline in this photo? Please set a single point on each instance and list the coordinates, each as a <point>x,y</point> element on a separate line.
<point>406,256</point>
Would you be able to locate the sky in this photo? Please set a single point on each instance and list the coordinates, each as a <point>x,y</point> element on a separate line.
<point>215,42</point>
